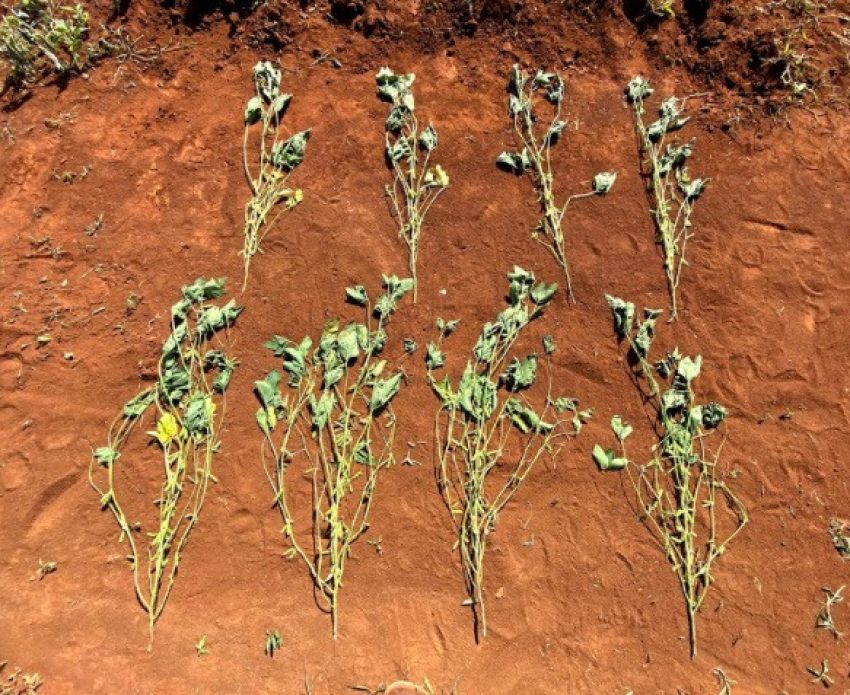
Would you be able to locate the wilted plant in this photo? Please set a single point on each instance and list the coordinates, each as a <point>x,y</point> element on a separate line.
<point>679,490</point>
<point>672,191</point>
<point>823,619</point>
<point>277,158</point>
<point>839,534</point>
<point>192,376</point>
<point>535,156</point>
<point>488,434</point>
<point>416,185</point>
<point>39,37</point>
<point>337,422</point>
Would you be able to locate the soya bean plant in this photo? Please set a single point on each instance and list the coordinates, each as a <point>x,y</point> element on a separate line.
<point>330,428</point>
<point>42,37</point>
<point>277,158</point>
<point>672,191</point>
<point>490,430</point>
<point>408,148</point>
<point>682,498</point>
<point>184,408</point>
<point>538,137</point>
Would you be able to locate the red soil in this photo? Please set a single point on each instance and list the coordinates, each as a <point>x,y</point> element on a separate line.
<point>590,606</point>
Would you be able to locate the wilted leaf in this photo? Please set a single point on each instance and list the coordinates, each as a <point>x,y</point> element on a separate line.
<point>434,358</point>
<point>603,182</point>
<point>137,405</point>
<point>542,293</point>
<point>476,395</point>
<point>638,89</point>
<point>623,314</point>
<point>607,460</point>
<point>712,415</point>
<point>548,344</point>
<point>106,455</point>
<point>267,80</point>
<point>383,391</point>
<point>428,138</point>
<point>253,110</point>
<point>520,374</point>
<point>621,429</point>
<point>357,295</point>
<point>289,154</point>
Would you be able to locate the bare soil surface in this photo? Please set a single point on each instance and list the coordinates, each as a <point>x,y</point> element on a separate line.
<point>580,599</point>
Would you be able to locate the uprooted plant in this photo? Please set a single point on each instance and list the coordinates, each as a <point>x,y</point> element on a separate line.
<point>535,157</point>
<point>334,430</point>
<point>672,191</point>
<point>488,433</point>
<point>193,375</point>
<point>41,37</point>
<point>678,492</point>
<point>408,149</point>
<point>277,158</point>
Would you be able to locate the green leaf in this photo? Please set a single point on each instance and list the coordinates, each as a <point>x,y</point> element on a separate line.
<point>603,182</point>
<point>289,154</point>
<point>409,345</point>
<point>621,429</point>
<point>383,391</point>
<point>434,358</point>
<point>253,110</point>
<point>106,455</point>
<point>357,295</point>
<point>623,314</point>
<point>520,374</point>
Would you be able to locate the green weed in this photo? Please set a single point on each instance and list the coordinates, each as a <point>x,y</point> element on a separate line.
<point>337,419</point>
<point>535,157</point>
<point>679,490</point>
<point>488,433</point>
<point>192,376</point>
